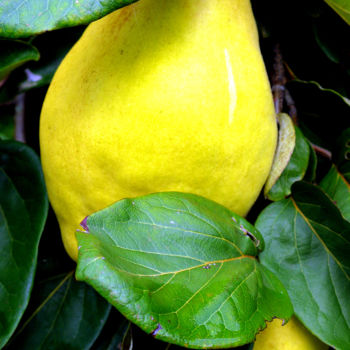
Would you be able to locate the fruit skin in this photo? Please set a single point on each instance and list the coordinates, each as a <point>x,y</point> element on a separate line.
<point>161,95</point>
<point>291,336</point>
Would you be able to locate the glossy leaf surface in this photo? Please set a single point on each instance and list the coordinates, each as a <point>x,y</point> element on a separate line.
<point>68,315</point>
<point>24,18</point>
<point>336,186</point>
<point>181,267</point>
<point>308,248</point>
<point>23,210</point>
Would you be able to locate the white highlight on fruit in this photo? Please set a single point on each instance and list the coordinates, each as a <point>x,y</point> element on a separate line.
<point>231,87</point>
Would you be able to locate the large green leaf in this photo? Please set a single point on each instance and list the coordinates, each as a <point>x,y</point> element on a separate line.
<point>181,267</point>
<point>342,7</point>
<point>23,210</point>
<point>20,18</point>
<point>308,248</point>
<point>68,315</point>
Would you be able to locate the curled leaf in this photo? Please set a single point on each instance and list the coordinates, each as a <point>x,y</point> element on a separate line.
<point>291,160</point>
<point>285,147</point>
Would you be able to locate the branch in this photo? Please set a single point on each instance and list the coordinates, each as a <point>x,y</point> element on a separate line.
<point>19,118</point>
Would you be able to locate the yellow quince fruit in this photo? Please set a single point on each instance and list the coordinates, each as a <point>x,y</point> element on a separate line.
<point>161,95</point>
<point>291,336</point>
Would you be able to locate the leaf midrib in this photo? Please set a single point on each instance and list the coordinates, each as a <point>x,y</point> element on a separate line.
<point>219,261</point>
<point>319,238</point>
<point>172,228</point>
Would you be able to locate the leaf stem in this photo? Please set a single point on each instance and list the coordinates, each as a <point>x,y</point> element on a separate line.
<point>278,79</point>
<point>19,118</point>
<point>322,151</point>
<point>291,105</point>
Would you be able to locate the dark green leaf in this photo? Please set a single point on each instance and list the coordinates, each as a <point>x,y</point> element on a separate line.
<point>310,174</point>
<point>345,170</point>
<point>7,124</point>
<point>329,32</point>
<point>181,267</point>
<point>121,338</point>
<point>8,90</point>
<point>22,19</point>
<point>342,7</point>
<point>294,171</point>
<point>323,115</point>
<point>336,186</point>
<point>342,155</point>
<point>69,315</point>
<point>13,54</point>
<point>23,210</point>
<point>308,248</point>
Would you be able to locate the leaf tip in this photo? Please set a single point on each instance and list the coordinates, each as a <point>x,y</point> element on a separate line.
<point>84,225</point>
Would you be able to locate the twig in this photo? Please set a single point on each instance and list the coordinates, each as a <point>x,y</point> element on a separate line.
<point>291,105</point>
<point>3,81</point>
<point>19,118</point>
<point>322,151</point>
<point>278,80</point>
<point>281,94</point>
